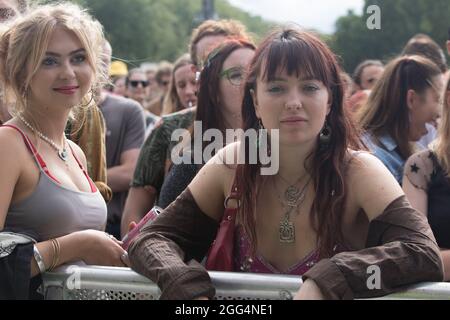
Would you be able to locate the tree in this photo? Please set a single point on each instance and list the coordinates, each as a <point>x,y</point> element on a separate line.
<point>400,20</point>
<point>153,30</point>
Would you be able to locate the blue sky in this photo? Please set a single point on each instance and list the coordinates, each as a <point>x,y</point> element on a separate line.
<point>318,14</point>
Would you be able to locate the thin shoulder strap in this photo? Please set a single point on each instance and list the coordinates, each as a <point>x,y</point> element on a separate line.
<point>91,183</point>
<point>41,163</point>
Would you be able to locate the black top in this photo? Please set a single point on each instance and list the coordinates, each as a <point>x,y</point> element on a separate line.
<point>425,172</point>
<point>178,178</point>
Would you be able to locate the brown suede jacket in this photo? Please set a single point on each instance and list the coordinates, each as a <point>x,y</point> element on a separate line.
<point>400,242</point>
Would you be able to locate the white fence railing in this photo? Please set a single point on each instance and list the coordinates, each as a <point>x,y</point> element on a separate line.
<point>107,283</point>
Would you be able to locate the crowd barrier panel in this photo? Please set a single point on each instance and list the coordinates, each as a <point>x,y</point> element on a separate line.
<point>74,282</point>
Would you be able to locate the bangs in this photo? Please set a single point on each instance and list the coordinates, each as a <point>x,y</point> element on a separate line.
<point>295,57</point>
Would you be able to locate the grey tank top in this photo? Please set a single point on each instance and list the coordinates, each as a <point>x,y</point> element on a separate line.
<point>52,210</point>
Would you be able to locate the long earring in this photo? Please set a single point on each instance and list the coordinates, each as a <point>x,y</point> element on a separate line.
<point>325,134</point>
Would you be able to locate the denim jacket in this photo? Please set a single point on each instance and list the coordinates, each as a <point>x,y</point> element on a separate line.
<point>387,153</point>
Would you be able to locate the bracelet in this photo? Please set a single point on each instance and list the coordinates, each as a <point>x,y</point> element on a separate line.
<point>39,260</point>
<point>56,253</point>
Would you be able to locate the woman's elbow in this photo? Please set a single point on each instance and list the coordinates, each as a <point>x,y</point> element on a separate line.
<point>434,267</point>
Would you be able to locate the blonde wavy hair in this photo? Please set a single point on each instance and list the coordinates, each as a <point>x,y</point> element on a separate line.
<point>441,146</point>
<point>23,44</point>
<point>172,101</point>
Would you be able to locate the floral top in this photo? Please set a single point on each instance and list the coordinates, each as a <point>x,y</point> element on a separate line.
<point>155,153</point>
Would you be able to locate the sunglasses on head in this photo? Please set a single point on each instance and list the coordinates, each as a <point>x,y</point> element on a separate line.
<point>135,83</point>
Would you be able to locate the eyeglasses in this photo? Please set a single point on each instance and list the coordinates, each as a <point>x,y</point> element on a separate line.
<point>135,83</point>
<point>235,75</point>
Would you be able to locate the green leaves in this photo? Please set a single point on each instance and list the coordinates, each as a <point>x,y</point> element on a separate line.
<point>154,30</point>
<point>400,20</point>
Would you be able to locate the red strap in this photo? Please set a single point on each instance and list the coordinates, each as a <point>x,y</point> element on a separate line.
<point>33,151</point>
<point>91,183</point>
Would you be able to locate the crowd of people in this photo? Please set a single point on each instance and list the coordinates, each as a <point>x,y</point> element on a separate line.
<point>86,150</point>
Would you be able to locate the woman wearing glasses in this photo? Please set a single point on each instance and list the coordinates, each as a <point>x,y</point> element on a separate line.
<point>154,163</point>
<point>219,107</point>
<point>182,92</point>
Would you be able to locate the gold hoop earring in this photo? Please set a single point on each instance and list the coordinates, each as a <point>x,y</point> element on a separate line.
<point>90,101</point>
<point>24,97</point>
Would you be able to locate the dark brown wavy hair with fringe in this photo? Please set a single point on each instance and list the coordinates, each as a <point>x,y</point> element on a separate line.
<point>304,55</point>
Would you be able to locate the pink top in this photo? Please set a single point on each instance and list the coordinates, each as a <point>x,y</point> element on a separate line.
<point>243,262</point>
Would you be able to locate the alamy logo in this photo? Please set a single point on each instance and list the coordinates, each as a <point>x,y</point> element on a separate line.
<point>257,143</point>
<point>374,280</point>
<point>73,282</point>
<point>374,21</point>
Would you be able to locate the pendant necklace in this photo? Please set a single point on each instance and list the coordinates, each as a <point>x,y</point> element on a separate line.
<point>62,153</point>
<point>293,198</point>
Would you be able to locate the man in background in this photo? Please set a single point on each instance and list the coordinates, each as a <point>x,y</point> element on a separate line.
<point>125,130</point>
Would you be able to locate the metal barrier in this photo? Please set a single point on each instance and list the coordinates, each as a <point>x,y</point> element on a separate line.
<point>108,283</point>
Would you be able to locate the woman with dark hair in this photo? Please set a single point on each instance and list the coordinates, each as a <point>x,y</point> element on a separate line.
<point>219,107</point>
<point>404,100</point>
<point>423,45</point>
<point>154,162</point>
<point>328,214</point>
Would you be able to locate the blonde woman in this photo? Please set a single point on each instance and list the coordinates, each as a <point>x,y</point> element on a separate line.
<point>182,93</point>
<point>427,185</point>
<point>49,63</point>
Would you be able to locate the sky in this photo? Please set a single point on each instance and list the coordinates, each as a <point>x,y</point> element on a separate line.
<point>318,14</point>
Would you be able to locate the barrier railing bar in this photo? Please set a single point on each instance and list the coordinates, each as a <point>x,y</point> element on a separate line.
<point>228,285</point>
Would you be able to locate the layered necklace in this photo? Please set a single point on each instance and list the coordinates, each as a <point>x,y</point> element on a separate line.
<point>62,153</point>
<point>292,199</point>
